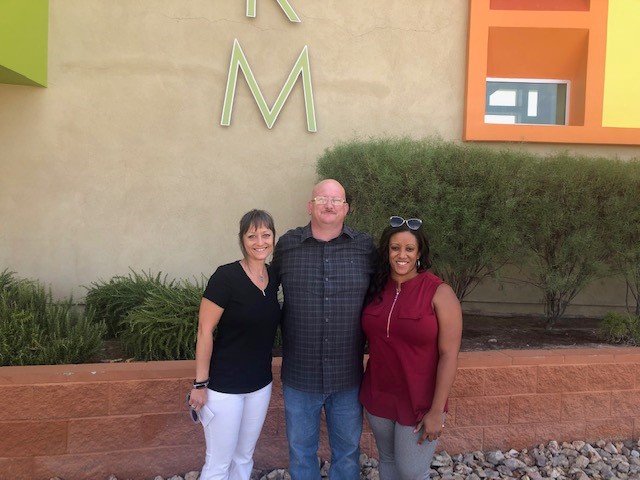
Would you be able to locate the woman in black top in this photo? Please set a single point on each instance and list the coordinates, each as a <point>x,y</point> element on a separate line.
<point>232,387</point>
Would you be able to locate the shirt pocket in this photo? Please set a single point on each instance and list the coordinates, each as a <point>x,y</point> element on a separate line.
<point>304,281</point>
<point>356,274</point>
<point>417,328</point>
<point>411,324</point>
<point>410,313</point>
<point>374,318</point>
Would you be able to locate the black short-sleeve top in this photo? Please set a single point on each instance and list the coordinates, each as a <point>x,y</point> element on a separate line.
<point>241,358</point>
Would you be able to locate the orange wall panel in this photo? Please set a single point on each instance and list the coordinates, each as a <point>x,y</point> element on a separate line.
<point>536,52</point>
<point>562,5</point>
<point>542,53</point>
<point>562,39</point>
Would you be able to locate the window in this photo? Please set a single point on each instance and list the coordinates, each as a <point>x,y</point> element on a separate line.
<point>588,45</point>
<point>526,101</point>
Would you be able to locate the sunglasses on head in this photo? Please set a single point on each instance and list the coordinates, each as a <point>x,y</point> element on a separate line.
<point>412,223</point>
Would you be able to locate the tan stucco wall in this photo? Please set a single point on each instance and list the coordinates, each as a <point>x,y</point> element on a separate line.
<point>121,162</point>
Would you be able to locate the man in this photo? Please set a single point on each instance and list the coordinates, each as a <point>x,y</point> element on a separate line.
<point>325,269</point>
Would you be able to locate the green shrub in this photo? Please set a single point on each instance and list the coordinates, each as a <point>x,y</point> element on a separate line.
<point>472,201</point>
<point>35,330</point>
<point>562,221</point>
<point>623,225</point>
<point>113,300</point>
<point>621,328</point>
<point>164,326</point>
<point>466,196</point>
<point>277,340</point>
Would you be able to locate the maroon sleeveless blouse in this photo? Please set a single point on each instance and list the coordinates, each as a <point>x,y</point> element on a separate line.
<point>400,378</point>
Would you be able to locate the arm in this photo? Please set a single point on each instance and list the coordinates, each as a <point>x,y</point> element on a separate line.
<point>208,319</point>
<point>449,315</point>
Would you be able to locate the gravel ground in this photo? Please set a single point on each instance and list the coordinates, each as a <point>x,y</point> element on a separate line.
<point>601,460</point>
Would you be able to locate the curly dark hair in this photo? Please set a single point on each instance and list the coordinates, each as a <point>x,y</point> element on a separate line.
<point>383,269</point>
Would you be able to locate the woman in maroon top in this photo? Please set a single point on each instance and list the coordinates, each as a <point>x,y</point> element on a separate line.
<point>413,323</point>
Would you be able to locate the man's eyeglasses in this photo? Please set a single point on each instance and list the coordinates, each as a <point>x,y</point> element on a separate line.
<point>412,223</point>
<point>335,201</point>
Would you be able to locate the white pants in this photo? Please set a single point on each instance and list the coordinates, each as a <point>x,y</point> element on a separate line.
<point>232,434</point>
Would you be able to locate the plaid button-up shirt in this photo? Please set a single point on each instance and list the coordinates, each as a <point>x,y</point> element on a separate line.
<point>324,285</point>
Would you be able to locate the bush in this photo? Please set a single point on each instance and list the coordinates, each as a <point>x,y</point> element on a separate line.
<point>113,300</point>
<point>465,195</point>
<point>621,328</point>
<point>623,224</point>
<point>562,221</point>
<point>472,198</point>
<point>164,326</point>
<point>35,330</point>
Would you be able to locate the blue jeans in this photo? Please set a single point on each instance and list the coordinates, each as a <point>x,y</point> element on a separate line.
<point>344,422</point>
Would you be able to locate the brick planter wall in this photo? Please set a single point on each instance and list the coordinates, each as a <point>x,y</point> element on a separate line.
<point>88,421</point>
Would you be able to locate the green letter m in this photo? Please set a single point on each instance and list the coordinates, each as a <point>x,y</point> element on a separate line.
<point>301,68</point>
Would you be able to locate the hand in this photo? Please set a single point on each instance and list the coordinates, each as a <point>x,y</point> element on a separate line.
<point>431,426</point>
<point>198,398</point>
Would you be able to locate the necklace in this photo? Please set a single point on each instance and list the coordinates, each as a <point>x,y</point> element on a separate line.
<point>260,276</point>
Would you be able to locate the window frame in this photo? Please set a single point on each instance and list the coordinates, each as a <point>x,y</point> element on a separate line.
<point>534,81</point>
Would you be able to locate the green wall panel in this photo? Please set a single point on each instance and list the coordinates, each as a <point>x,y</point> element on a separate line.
<point>23,41</point>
